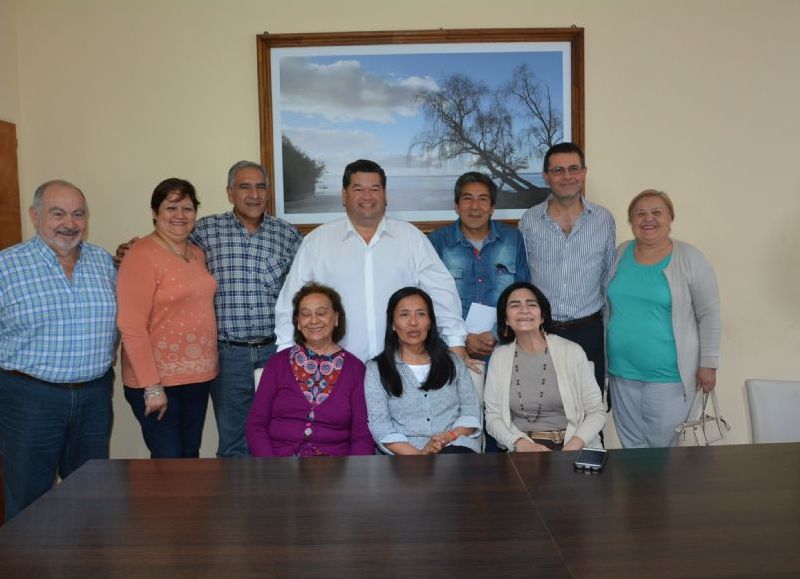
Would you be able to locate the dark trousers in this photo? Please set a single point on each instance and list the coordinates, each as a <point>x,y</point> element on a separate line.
<point>457,450</point>
<point>490,443</point>
<point>179,433</point>
<point>591,337</point>
<point>49,429</point>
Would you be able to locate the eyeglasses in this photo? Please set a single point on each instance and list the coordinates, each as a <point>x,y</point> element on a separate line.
<point>558,170</point>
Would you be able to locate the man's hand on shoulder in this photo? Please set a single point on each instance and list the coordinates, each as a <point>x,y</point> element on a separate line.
<point>122,249</point>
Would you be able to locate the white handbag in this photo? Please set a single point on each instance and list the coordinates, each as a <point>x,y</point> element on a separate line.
<point>708,428</point>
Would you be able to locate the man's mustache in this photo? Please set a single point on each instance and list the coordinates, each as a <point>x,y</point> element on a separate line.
<point>68,231</point>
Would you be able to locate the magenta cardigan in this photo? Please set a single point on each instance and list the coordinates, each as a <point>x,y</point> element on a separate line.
<point>277,419</point>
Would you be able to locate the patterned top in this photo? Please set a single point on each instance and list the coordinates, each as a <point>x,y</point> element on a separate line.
<point>249,270</point>
<point>166,317</point>
<point>571,270</point>
<point>316,374</point>
<point>53,328</point>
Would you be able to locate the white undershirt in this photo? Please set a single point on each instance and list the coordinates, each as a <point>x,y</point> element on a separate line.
<point>420,371</point>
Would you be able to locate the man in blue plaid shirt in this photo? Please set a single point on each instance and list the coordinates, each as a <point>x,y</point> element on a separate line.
<point>249,253</point>
<point>58,337</point>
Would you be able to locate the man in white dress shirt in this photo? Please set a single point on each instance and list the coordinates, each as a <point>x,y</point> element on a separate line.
<point>366,257</point>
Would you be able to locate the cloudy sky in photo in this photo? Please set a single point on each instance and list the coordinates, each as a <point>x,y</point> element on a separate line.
<point>344,106</point>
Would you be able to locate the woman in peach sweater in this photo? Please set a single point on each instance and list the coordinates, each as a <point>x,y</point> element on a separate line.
<point>166,317</point>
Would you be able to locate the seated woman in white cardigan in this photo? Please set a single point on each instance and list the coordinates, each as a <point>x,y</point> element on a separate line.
<point>541,393</point>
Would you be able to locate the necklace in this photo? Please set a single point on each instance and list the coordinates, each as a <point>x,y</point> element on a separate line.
<point>541,389</point>
<point>184,256</point>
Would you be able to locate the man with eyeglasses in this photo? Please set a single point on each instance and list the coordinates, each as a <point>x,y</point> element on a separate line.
<point>570,245</point>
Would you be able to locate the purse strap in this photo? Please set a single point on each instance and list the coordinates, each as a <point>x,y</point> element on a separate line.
<point>717,418</point>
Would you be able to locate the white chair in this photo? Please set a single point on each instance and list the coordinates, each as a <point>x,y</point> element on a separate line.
<point>257,376</point>
<point>774,410</point>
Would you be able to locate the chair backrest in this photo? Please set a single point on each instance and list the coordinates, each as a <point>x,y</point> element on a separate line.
<point>774,410</point>
<point>257,376</point>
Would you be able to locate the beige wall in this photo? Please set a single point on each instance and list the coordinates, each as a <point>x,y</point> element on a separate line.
<point>9,75</point>
<point>694,97</point>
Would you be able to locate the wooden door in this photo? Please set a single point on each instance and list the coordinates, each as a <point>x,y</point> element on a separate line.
<point>10,224</point>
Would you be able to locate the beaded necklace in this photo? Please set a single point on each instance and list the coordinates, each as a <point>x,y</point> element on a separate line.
<point>541,390</point>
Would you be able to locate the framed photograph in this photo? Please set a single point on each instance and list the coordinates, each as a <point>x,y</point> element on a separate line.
<point>425,105</point>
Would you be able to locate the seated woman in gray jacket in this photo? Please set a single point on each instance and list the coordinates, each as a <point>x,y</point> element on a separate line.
<point>541,393</point>
<point>420,397</point>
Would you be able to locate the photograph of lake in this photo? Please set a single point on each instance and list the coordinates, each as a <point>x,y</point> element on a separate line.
<point>410,193</point>
<point>425,113</point>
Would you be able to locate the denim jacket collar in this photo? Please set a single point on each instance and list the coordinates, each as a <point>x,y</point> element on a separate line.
<point>456,236</point>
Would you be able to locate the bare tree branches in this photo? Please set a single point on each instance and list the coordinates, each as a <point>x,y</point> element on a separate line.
<point>545,129</point>
<point>465,119</point>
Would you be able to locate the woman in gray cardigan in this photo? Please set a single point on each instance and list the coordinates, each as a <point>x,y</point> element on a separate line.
<point>420,397</point>
<point>663,328</point>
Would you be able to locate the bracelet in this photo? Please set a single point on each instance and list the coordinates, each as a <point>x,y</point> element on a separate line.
<point>153,392</point>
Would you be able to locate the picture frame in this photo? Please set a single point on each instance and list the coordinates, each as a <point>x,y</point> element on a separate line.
<point>326,99</point>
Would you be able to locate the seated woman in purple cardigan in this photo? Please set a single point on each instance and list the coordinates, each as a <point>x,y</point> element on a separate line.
<point>310,400</point>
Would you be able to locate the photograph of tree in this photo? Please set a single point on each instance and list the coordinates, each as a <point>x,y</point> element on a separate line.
<point>425,113</point>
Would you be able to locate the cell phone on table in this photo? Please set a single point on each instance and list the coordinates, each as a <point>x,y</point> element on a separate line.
<point>591,459</point>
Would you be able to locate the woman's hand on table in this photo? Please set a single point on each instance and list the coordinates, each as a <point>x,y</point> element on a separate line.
<point>525,445</point>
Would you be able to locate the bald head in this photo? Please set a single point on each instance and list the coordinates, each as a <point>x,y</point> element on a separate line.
<point>60,216</point>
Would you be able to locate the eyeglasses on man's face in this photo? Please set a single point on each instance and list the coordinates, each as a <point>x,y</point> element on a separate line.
<point>572,170</point>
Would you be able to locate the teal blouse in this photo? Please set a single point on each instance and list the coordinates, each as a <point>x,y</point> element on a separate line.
<point>641,344</point>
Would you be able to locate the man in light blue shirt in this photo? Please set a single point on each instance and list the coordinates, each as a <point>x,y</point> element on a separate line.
<point>58,337</point>
<point>570,244</point>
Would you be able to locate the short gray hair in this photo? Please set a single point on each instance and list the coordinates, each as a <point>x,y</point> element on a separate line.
<point>38,195</point>
<point>239,165</point>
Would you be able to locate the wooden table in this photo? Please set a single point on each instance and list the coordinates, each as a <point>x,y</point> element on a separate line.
<point>652,513</point>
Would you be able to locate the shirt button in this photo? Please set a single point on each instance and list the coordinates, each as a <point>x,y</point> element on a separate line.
<point>426,395</point>
<point>428,419</point>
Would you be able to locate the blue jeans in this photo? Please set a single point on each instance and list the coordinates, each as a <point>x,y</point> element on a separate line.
<point>232,393</point>
<point>646,414</point>
<point>180,431</point>
<point>49,429</point>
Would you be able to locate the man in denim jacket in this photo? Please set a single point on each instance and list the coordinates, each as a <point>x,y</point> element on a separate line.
<point>484,256</point>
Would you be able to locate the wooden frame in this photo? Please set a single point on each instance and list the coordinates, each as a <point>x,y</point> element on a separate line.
<point>506,47</point>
